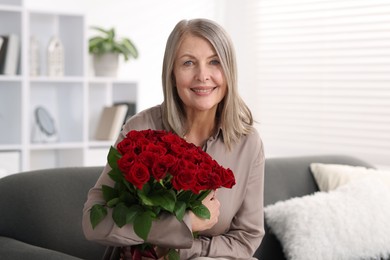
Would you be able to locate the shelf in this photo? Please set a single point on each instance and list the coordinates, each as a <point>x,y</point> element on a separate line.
<point>100,144</point>
<point>73,101</point>
<point>12,78</point>
<point>43,79</point>
<point>56,146</point>
<point>14,147</point>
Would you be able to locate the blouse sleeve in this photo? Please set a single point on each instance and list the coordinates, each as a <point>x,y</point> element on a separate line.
<point>247,228</point>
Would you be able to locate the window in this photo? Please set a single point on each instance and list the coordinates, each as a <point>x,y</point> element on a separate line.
<point>322,76</point>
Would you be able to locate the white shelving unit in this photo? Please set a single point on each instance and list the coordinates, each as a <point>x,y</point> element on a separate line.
<point>74,100</point>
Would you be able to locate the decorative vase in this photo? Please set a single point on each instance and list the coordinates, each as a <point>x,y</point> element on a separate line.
<point>55,57</point>
<point>106,65</point>
<point>34,56</point>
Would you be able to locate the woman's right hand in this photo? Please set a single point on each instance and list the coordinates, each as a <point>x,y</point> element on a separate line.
<point>201,224</point>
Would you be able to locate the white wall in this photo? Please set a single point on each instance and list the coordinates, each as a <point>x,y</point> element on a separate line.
<point>148,23</point>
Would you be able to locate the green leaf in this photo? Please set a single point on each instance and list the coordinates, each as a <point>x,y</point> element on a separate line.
<point>163,198</point>
<point>173,254</point>
<point>128,185</point>
<point>127,197</point>
<point>129,45</point>
<point>180,209</point>
<point>113,157</point>
<point>144,195</point>
<point>111,203</point>
<point>203,195</point>
<point>201,211</point>
<point>119,214</point>
<point>132,213</point>
<point>142,224</point>
<point>195,203</point>
<point>109,193</point>
<point>116,175</point>
<point>185,196</point>
<point>97,214</point>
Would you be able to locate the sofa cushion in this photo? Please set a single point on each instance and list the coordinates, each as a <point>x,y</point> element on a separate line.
<point>350,222</point>
<point>330,176</point>
<point>291,177</point>
<point>44,208</point>
<point>17,250</point>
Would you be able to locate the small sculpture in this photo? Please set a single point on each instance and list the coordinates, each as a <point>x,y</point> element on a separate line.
<point>55,57</point>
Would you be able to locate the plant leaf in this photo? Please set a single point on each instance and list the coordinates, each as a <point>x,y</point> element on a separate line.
<point>105,32</point>
<point>201,211</point>
<point>180,209</point>
<point>127,197</point>
<point>109,193</point>
<point>131,47</point>
<point>113,157</point>
<point>203,195</point>
<point>97,214</point>
<point>185,196</point>
<point>142,224</point>
<point>173,254</point>
<point>119,214</point>
<point>163,198</point>
<point>116,175</point>
<point>111,203</point>
<point>132,213</point>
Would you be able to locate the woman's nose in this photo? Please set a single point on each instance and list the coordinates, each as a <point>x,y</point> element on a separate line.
<point>203,73</point>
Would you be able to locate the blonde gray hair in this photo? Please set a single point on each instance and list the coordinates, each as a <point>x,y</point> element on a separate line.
<point>233,114</point>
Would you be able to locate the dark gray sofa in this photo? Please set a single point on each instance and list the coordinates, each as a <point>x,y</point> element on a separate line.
<point>41,215</point>
<point>41,210</point>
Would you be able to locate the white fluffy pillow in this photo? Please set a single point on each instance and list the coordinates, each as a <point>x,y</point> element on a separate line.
<point>331,176</point>
<point>351,222</point>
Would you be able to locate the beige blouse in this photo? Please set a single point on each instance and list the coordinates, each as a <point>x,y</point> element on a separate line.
<point>240,228</point>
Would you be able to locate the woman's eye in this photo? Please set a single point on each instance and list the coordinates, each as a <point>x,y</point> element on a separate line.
<point>188,63</point>
<point>215,62</point>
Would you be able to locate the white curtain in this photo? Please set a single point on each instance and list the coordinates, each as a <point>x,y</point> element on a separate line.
<point>316,74</point>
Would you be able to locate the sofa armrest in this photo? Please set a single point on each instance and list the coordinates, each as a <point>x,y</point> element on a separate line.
<point>14,249</point>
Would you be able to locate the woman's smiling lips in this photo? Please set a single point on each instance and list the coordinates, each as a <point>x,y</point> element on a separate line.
<point>203,90</point>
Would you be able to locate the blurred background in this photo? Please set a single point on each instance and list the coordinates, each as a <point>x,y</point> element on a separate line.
<point>315,73</point>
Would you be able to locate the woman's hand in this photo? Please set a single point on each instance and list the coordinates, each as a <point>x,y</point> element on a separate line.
<point>213,204</point>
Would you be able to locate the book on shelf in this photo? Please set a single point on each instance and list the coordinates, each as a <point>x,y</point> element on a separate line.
<point>3,44</point>
<point>111,122</point>
<point>9,54</point>
<point>131,109</point>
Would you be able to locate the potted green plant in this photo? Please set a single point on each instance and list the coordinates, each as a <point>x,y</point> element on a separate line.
<point>106,49</point>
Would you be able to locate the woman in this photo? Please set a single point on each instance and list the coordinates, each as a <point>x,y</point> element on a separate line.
<point>202,105</point>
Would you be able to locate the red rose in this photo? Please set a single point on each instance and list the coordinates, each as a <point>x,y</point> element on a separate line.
<point>227,176</point>
<point>138,175</point>
<point>162,165</point>
<point>202,180</point>
<point>184,180</point>
<point>154,148</point>
<point>125,146</point>
<point>169,138</point>
<point>134,135</point>
<point>127,161</point>
<point>215,181</point>
<point>177,149</point>
<point>148,158</point>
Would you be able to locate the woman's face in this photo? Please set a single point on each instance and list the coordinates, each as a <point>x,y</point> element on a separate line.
<point>199,77</point>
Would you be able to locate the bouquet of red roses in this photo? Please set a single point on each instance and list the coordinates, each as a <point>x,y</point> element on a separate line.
<point>157,171</point>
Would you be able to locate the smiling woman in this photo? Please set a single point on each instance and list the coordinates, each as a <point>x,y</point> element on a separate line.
<point>200,84</point>
<point>201,101</point>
